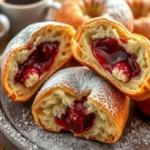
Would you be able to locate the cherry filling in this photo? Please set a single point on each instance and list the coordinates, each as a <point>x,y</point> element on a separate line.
<point>76,118</point>
<point>38,62</point>
<point>111,55</point>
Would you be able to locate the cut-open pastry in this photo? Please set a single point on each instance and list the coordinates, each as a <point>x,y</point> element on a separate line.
<point>78,100</point>
<point>34,55</point>
<point>120,57</point>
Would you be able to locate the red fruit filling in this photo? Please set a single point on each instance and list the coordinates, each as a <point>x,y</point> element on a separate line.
<point>28,71</point>
<point>110,54</point>
<point>76,118</point>
<point>125,67</point>
<point>38,62</point>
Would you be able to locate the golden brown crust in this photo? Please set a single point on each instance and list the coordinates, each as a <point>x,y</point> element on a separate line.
<point>141,12</point>
<point>142,26</point>
<point>77,12</point>
<point>70,13</point>
<point>117,110</point>
<point>22,41</point>
<point>140,94</point>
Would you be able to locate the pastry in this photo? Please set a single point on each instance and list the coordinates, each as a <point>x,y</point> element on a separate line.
<point>120,57</point>
<point>141,12</point>
<point>78,100</point>
<point>34,55</point>
<point>144,106</point>
<point>76,12</point>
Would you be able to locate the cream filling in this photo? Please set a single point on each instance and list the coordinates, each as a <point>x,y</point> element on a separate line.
<point>55,105</point>
<point>120,75</point>
<point>31,80</point>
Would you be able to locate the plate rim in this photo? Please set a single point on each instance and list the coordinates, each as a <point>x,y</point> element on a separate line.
<point>15,141</point>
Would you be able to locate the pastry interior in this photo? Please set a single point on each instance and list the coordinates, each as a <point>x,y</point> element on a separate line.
<point>59,110</point>
<point>114,53</point>
<point>32,65</point>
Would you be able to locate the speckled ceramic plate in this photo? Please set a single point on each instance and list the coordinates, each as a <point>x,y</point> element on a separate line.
<point>17,124</point>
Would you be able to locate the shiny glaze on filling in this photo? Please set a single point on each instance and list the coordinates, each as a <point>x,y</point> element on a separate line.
<point>110,54</point>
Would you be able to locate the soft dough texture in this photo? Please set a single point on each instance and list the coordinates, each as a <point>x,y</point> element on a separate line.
<point>141,12</point>
<point>137,87</point>
<point>19,53</point>
<point>109,106</point>
<point>76,12</point>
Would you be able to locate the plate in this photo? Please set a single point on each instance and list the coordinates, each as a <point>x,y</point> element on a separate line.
<point>17,124</point>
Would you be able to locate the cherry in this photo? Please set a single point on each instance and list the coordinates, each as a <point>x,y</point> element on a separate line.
<point>40,61</point>
<point>62,121</point>
<point>76,118</point>
<point>123,66</point>
<point>29,71</point>
<point>109,53</point>
<point>78,106</point>
<point>46,50</point>
<point>89,121</point>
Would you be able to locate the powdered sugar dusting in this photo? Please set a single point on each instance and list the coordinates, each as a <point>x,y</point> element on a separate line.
<point>27,134</point>
<point>119,11</point>
<point>81,79</point>
<point>13,135</point>
<point>24,36</point>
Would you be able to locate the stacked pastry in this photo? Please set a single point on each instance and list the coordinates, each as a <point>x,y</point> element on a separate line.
<point>74,99</point>
<point>141,12</point>
<point>77,12</point>
<point>91,104</point>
